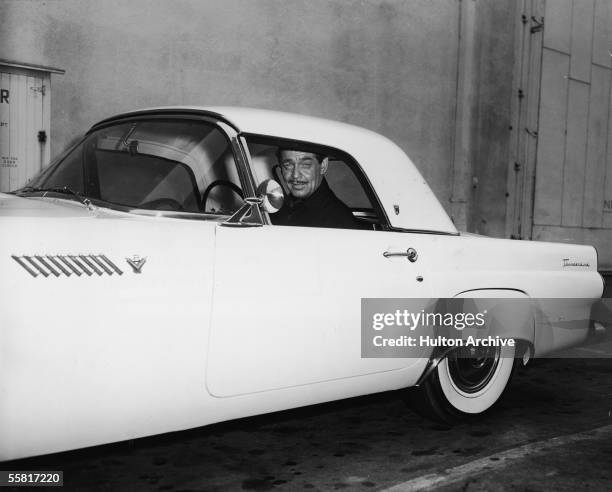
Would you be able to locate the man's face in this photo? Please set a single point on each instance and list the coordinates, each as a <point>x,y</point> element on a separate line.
<point>302,172</point>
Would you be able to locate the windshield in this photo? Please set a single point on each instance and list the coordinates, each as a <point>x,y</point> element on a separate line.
<point>177,165</point>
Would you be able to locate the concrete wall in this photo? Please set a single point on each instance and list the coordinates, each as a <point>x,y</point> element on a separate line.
<point>388,65</point>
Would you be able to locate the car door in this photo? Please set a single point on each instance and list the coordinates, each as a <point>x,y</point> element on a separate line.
<point>287,303</point>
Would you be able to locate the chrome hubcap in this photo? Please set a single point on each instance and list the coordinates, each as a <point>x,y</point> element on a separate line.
<point>471,369</point>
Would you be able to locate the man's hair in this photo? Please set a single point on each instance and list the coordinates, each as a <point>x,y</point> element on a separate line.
<point>318,156</point>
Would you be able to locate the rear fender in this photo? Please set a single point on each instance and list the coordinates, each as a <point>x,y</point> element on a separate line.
<point>505,318</point>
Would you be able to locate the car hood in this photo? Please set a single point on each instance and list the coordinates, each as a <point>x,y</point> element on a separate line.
<point>16,206</point>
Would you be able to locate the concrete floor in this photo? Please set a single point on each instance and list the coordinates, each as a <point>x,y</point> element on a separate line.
<point>376,442</point>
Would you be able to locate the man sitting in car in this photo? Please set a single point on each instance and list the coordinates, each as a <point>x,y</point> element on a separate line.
<point>311,202</point>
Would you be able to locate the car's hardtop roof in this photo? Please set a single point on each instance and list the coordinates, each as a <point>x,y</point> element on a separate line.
<point>399,185</point>
<point>257,121</point>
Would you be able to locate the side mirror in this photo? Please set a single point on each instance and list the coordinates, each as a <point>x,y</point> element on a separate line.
<point>272,195</point>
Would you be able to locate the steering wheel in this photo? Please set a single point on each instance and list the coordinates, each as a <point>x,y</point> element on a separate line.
<point>163,204</point>
<point>220,182</point>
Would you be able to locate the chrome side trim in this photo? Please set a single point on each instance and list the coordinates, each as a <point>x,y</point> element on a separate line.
<point>46,265</point>
<point>111,264</point>
<point>70,265</point>
<point>90,264</point>
<point>80,265</point>
<point>66,265</point>
<point>101,265</point>
<point>30,260</point>
<point>24,265</point>
<point>59,265</point>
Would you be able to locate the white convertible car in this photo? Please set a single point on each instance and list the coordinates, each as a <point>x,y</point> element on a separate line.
<point>144,289</point>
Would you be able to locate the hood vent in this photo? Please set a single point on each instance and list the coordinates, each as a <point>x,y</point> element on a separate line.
<point>66,265</point>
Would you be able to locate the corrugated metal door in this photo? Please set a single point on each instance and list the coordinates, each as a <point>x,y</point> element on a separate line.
<point>572,199</point>
<point>23,116</point>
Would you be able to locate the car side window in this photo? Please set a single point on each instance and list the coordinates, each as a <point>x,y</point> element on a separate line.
<point>289,163</point>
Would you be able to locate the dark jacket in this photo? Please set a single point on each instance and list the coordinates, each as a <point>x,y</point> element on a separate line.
<point>321,209</point>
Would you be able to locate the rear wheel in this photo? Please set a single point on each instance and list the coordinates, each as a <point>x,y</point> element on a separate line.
<point>465,383</point>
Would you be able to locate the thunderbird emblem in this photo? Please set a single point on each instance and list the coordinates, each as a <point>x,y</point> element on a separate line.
<point>136,262</point>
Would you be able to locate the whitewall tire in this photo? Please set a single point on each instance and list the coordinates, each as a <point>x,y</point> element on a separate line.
<point>461,386</point>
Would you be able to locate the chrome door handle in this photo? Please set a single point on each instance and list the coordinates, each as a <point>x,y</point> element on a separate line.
<point>410,254</point>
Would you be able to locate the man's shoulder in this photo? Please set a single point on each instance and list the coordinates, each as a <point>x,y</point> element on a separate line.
<point>338,213</point>
<point>338,206</point>
<point>322,209</point>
